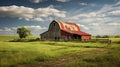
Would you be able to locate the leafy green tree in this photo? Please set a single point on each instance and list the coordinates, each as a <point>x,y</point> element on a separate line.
<point>98,36</point>
<point>23,32</point>
<point>105,36</point>
<point>117,36</point>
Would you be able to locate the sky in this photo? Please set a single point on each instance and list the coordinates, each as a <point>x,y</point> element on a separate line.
<point>97,17</point>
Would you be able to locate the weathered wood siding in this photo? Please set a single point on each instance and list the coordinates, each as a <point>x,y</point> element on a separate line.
<point>53,32</point>
<point>64,32</point>
<point>45,35</point>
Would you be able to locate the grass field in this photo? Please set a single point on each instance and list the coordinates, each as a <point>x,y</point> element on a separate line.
<point>58,54</point>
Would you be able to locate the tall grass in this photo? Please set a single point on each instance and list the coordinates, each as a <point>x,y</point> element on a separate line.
<point>115,40</point>
<point>9,38</point>
<point>13,54</point>
<point>109,59</point>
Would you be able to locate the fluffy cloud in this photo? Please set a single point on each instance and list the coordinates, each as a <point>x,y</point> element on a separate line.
<point>114,24</point>
<point>32,27</point>
<point>36,1</point>
<point>63,0</point>
<point>16,11</point>
<point>86,4</point>
<point>30,14</point>
<point>100,22</point>
<point>104,14</point>
<point>6,29</point>
<point>35,27</point>
<point>83,4</point>
<point>83,26</point>
<point>117,4</point>
<point>116,13</point>
<point>12,30</point>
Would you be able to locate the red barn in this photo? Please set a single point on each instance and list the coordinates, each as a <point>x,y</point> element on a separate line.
<point>64,31</point>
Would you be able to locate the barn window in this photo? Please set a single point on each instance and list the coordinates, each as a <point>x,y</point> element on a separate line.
<point>54,24</point>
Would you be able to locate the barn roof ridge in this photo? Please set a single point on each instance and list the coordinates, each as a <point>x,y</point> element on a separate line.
<point>59,30</point>
<point>70,27</point>
<point>64,22</point>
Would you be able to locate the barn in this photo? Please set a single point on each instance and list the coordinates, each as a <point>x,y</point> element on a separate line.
<point>64,31</point>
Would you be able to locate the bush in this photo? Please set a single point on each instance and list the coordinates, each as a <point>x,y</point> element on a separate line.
<point>19,40</point>
<point>117,36</point>
<point>24,40</point>
<point>105,36</point>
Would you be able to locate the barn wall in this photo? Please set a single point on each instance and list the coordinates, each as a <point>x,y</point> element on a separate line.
<point>65,35</point>
<point>45,35</point>
<point>85,37</point>
<point>53,32</point>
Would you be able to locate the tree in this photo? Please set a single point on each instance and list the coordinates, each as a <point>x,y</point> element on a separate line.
<point>23,32</point>
<point>117,36</point>
<point>105,36</point>
<point>98,36</point>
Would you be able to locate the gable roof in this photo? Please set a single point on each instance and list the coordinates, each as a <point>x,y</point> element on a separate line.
<point>70,28</point>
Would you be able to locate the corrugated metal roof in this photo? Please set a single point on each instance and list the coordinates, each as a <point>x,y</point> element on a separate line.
<point>71,28</point>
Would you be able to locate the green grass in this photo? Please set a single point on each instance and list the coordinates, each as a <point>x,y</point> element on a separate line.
<point>115,40</point>
<point>9,38</point>
<point>13,54</point>
<point>109,59</point>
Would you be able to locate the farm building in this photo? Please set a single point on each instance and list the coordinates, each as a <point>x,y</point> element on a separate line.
<point>64,31</point>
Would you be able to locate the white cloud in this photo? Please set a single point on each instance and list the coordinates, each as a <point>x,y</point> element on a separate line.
<point>118,3</point>
<point>114,24</point>
<point>87,4</point>
<point>83,26</point>
<point>35,30</point>
<point>38,19</point>
<point>117,12</point>
<point>35,27</point>
<point>36,1</point>
<point>83,4</point>
<point>105,30</point>
<point>0,29</point>
<point>62,0</point>
<point>16,11</point>
<point>95,24</point>
<point>50,10</point>
<point>100,22</point>
<point>6,29</point>
<point>32,27</point>
<point>102,15</point>
<point>29,14</point>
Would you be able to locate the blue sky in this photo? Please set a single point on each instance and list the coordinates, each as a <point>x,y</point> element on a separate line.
<point>97,17</point>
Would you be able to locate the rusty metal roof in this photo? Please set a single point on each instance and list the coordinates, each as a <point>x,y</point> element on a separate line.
<point>71,28</point>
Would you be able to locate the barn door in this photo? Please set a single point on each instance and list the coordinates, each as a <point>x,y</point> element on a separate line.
<point>76,36</point>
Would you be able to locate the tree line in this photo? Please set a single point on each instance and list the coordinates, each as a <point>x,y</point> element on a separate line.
<point>24,32</point>
<point>107,36</point>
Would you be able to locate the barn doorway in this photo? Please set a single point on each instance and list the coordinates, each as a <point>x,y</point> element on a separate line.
<point>76,36</point>
<point>56,38</point>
